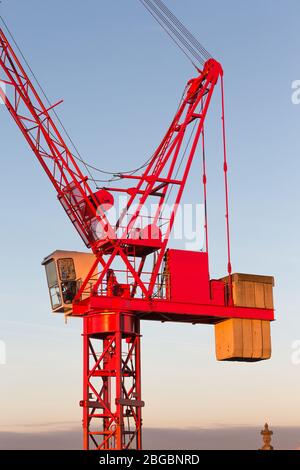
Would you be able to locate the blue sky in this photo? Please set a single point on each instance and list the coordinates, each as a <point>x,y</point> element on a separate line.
<point>121,79</point>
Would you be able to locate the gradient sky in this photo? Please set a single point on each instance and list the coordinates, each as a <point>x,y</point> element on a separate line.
<point>121,79</point>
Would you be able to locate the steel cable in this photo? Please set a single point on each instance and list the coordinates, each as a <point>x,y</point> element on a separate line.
<point>183,29</point>
<point>158,15</point>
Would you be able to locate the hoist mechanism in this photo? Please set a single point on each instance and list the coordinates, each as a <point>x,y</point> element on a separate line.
<point>130,273</point>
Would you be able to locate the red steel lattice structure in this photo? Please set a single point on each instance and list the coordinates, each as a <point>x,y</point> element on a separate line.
<point>124,289</point>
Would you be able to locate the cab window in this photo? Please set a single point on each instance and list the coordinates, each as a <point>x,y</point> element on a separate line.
<point>51,274</point>
<point>52,280</point>
<point>55,297</point>
<point>66,269</point>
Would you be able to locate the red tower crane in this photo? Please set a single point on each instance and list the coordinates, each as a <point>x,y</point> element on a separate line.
<point>132,275</point>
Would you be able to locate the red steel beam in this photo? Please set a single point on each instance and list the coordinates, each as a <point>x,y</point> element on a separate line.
<point>177,311</point>
<point>112,404</point>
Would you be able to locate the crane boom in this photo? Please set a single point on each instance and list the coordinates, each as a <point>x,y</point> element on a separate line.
<point>157,181</point>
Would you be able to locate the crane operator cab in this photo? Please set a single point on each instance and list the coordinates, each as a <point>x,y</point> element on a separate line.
<point>66,271</point>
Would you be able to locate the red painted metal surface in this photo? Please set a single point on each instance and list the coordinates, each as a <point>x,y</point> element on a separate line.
<point>112,401</point>
<point>188,277</point>
<point>164,310</point>
<point>136,278</point>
